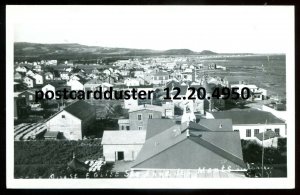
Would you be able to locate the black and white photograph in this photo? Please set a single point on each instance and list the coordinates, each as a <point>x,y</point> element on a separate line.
<point>133,97</point>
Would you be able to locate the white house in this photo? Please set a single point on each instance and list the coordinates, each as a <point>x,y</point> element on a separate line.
<point>75,85</point>
<point>252,122</point>
<point>64,75</point>
<point>73,121</point>
<point>49,87</point>
<point>132,82</point>
<point>122,145</point>
<point>38,79</point>
<point>49,76</point>
<point>29,81</point>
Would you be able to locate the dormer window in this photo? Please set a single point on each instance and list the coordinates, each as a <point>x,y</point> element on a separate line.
<point>63,116</point>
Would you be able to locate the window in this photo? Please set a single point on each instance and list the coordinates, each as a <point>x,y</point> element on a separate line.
<point>150,116</point>
<point>140,127</point>
<point>248,132</point>
<point>63,116</point>
<point>256,131</point>
<point>127,128</point>
<point>269,129</point>
<point>277,132</point>
<point>139,117</point>
<point>122,127</point>
<point>236,130</point>
<point>30,97</point>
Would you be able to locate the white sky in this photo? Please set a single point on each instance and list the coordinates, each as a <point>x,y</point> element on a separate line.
<point>263,29</point>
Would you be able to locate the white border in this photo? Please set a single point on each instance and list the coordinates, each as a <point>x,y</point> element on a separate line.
<point>248,183</point>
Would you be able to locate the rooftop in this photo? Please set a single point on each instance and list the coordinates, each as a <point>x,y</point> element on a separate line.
<point>248,117</point>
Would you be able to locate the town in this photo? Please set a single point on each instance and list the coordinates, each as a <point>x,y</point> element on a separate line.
<point>146,137</point>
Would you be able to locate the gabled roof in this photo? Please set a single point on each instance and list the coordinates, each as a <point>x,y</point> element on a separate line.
<point>156,126</point>
<point>225,144</point>
<point>80,109</point>
<point>248,117</point>
<point>27,91</point>
<point>117,137</point>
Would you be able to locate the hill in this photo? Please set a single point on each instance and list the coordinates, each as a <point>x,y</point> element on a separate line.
<point>78,51</point>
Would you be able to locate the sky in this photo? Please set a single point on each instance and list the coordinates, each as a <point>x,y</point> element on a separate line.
<point>224,29</point>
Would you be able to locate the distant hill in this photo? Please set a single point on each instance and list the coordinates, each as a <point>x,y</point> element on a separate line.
<point>76,51</point>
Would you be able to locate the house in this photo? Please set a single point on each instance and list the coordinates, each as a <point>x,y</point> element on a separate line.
<point>28,95</point>
<point>160,78</point>
<point>138,116</point>
<point>64,75</point>
<point>252,122</point>
<point>31,73</point>
<point>18,76</point>
<point>37,68</point>
<point>38,79</point>
<point>76,84</point>
<point>191,149</point>
<point>49,76</point>
<point>29,81</point>
<point>122,145</point>
<point>73,121</point>
<point>131,82</point>
<point>21,69</point>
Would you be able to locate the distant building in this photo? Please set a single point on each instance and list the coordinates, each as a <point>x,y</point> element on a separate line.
<point>138,117</point>
<point>252,122</point>
<point>73,121</point>
<point>28,95</point>
<point>122,145</point>
<point>160,78</point>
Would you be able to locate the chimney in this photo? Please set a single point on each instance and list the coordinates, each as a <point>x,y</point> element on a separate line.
<point>187,133</point>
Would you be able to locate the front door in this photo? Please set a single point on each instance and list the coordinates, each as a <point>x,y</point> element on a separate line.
<point>120,155</point>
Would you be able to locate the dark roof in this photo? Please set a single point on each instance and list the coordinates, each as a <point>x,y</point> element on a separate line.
<point>80,109</point>
<point>156,126</point>
<point>248,117</point>
<point>225,144</point>
<point>193,126</point>
<point>217,124</point>
<point>266,135</point>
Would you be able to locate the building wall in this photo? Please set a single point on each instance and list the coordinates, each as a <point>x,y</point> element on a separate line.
<point>70,126</point>
<point>262,128</point>
<point>130,151</point>
<point>135,123</point>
